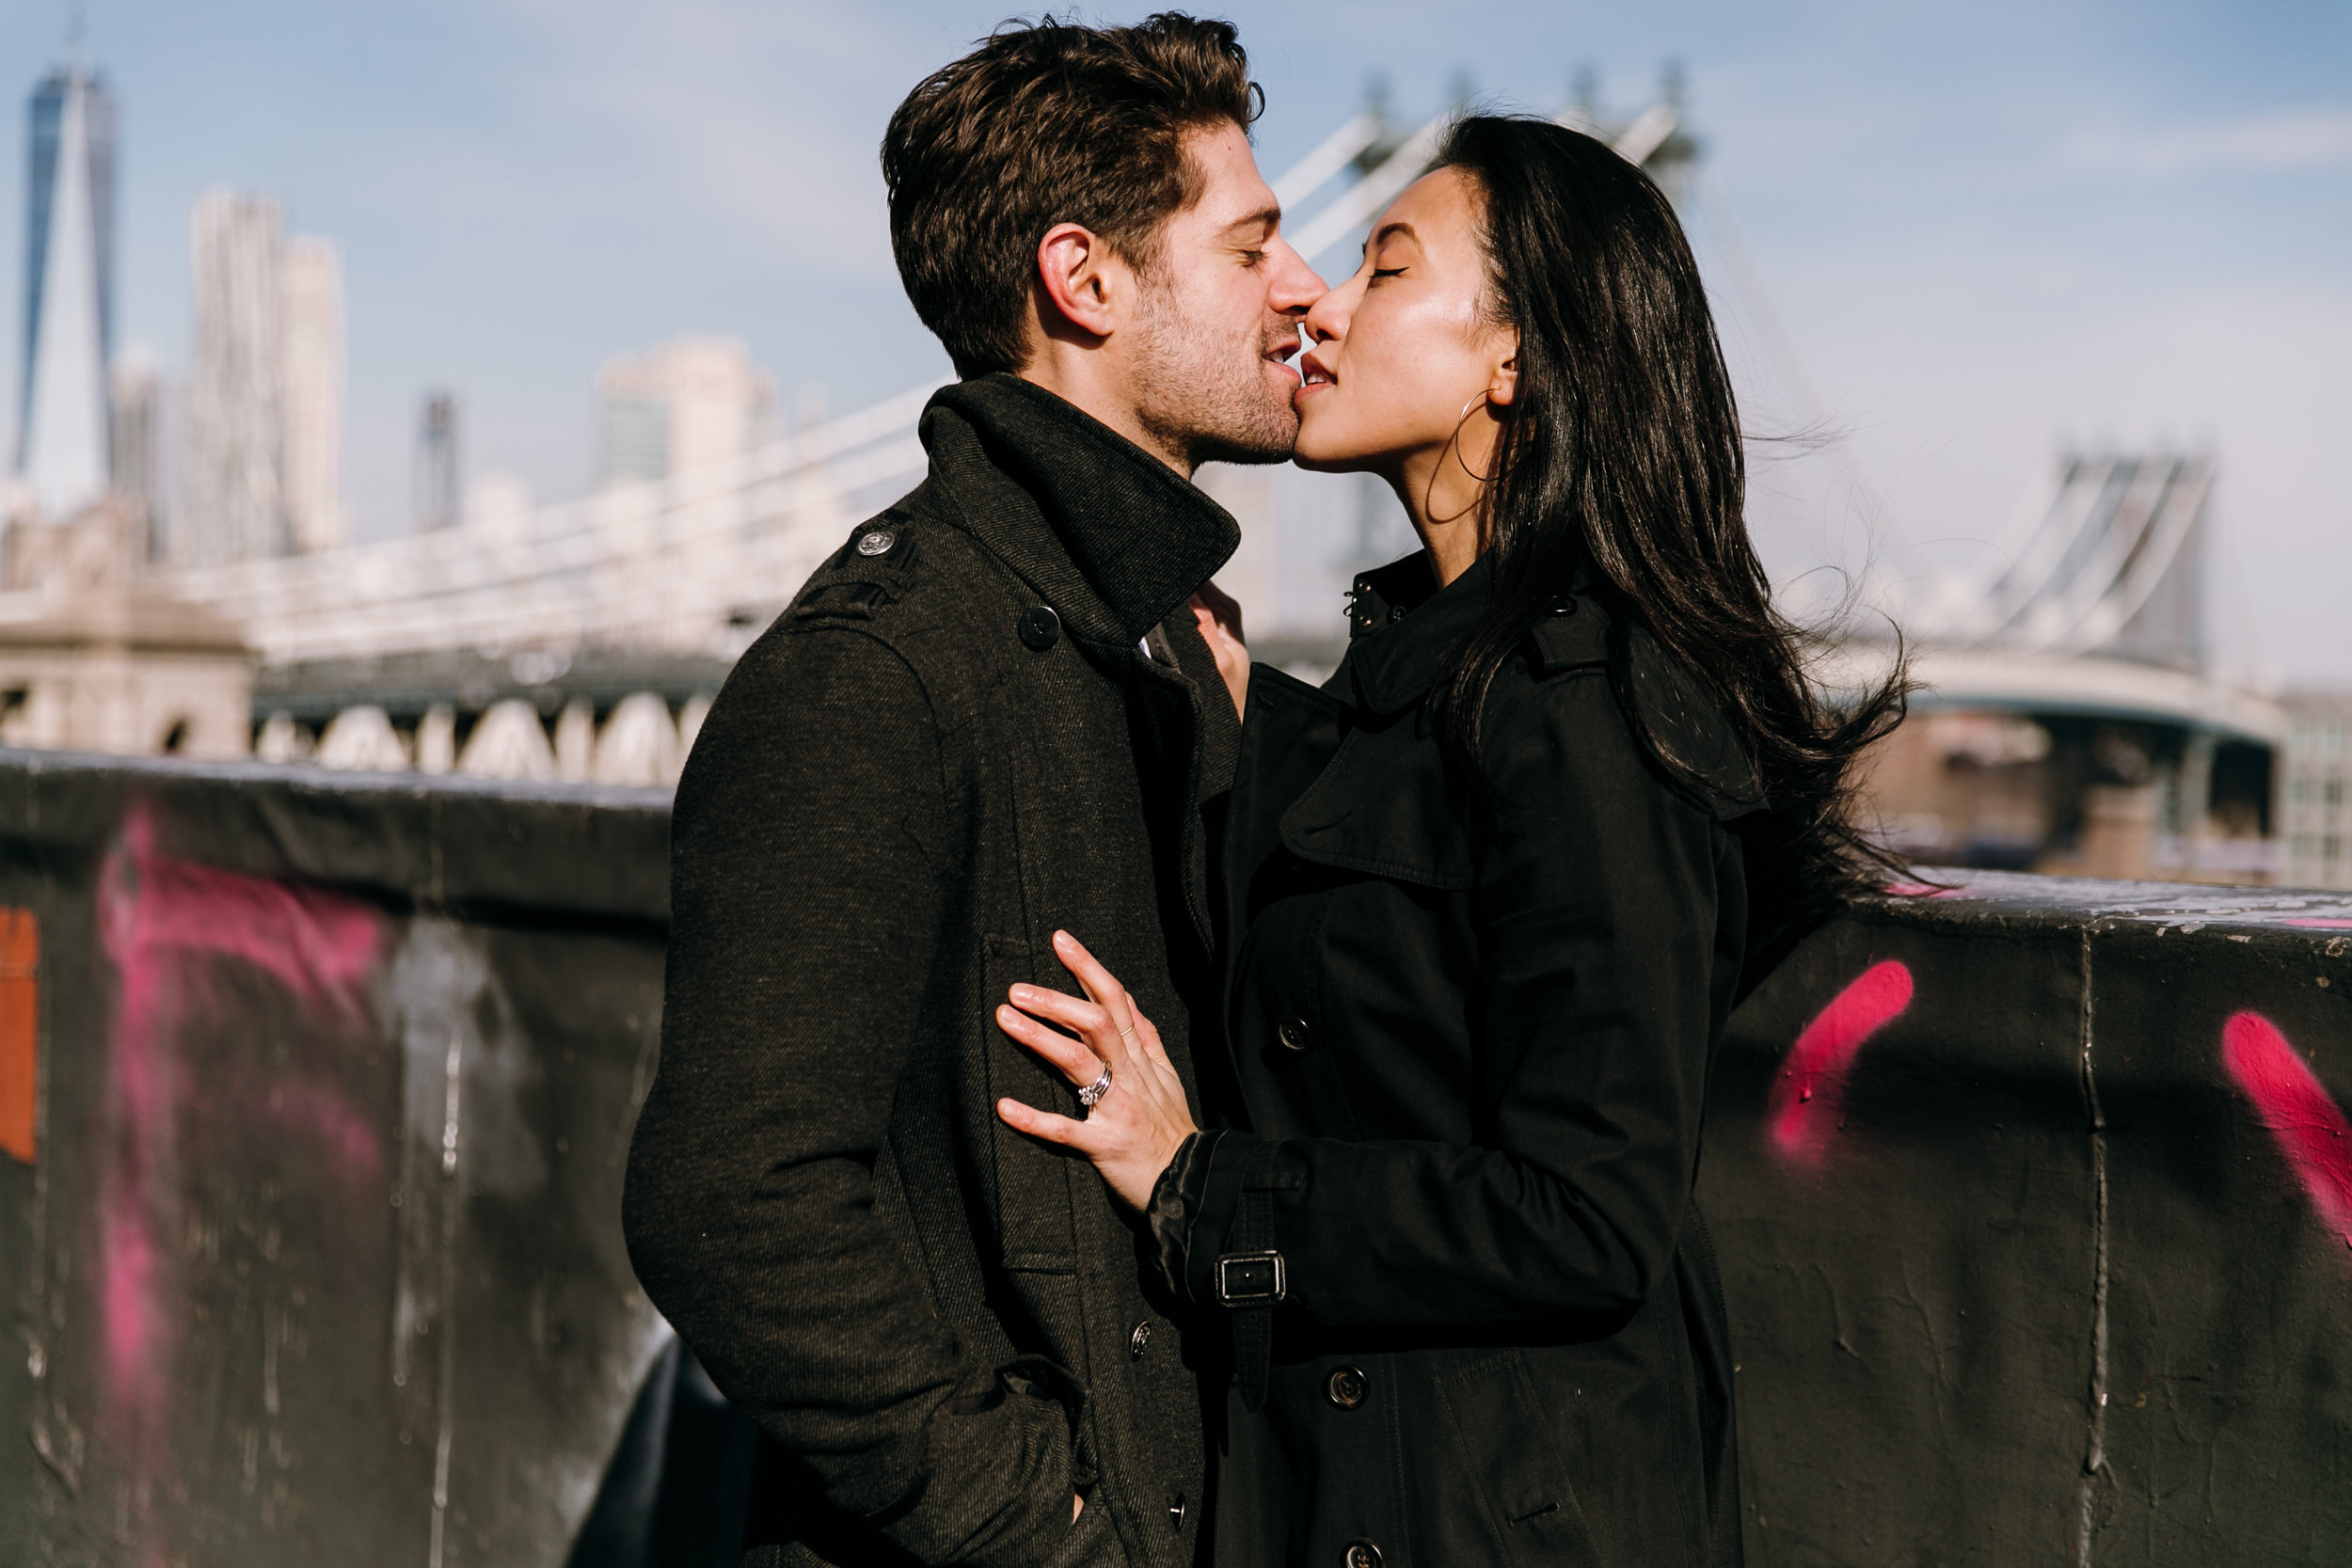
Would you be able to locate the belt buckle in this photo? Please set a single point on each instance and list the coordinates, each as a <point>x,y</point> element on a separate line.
<point>1250,1280</point>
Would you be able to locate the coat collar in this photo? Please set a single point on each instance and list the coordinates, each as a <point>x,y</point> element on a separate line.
<point>1105,532</point>
<point>1401,624</point>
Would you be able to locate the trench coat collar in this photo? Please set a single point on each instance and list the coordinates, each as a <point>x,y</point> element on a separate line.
<point>1401,624</point>
<point>1123,539</point>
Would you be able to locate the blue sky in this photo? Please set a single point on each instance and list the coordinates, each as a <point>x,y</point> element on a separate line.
<point>1989,228</point>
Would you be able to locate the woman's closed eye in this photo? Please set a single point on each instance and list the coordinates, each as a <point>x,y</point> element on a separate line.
<point>1378,272</point>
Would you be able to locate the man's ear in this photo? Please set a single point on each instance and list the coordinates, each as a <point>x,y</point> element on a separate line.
<point>1504,385</point>
<point>1082,281</point>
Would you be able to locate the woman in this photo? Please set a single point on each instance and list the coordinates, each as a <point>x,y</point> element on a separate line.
<point>1492,888</point>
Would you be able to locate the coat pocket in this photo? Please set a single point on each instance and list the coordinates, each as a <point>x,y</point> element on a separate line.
<point>1510,1446</point>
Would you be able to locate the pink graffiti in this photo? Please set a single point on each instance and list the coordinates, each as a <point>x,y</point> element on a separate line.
<point>1809,1095</point>
<point>2320,925</point>
<point>162,922</point>
<point>1921,890</point>
<point>319,946</point>
<point>2311,1128</point>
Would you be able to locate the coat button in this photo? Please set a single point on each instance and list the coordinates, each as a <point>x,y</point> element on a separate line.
<point>1140,1337</point>
<point>877,543</point>
<point>1344,1387</point>
<point>1360,1554</point>
<point>1040,629</point>
<point>1296,1035</point>
<point>1176,1512</point>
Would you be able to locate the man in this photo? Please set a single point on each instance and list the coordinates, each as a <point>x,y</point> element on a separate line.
<point>989,718</point>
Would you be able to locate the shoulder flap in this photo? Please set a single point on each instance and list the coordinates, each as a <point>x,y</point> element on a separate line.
<point>872,568</point>
<point>1685,728</point>
<point>1576,631</point>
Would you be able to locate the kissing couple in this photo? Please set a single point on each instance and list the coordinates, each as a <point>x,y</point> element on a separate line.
<point>1121,1105</point>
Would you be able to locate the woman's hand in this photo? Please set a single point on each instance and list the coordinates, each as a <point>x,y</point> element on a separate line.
<point>1140,1122</point>
<point>1220,627</point>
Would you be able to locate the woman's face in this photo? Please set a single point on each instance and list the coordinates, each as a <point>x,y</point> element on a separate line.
<point>1405,344</point>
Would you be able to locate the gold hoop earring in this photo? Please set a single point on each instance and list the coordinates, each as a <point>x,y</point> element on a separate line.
<point>1454,445</point>
<point>1456,442</point>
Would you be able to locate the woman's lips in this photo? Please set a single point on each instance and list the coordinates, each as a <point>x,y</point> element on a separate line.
<point>1313,372</point>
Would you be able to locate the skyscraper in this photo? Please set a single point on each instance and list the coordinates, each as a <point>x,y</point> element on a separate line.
<point>438,478</point>
<point>689,404</point>
<point>61,437</point>
<point>261,465</point>
<point>232,506</point>
<point>137,431</point>
<point>312,287</point>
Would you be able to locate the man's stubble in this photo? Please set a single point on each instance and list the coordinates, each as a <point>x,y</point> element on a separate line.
<point>1203,395</point>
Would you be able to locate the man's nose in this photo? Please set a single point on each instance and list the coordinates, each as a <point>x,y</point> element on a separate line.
<point>1296,286</point>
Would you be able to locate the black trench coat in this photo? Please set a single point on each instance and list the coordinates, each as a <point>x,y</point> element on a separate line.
<point>1470,1039</point>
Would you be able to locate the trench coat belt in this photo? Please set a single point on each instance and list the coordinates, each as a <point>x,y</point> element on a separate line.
<point>1252,1317</point>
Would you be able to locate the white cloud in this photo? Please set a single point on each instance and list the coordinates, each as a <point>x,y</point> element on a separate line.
<point>2312,138</point>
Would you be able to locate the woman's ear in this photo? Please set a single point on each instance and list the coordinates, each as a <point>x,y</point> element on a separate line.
<point>1504,384</point>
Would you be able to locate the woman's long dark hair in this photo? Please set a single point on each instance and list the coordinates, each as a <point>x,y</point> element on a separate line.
<point>1621,456</point>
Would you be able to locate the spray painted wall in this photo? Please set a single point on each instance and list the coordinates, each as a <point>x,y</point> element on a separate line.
<point>2034,1202</point>
<point>317,1260</point>
<point>2033,1198</point>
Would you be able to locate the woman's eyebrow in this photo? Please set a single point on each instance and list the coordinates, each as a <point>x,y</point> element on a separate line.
<point>1388,229</point>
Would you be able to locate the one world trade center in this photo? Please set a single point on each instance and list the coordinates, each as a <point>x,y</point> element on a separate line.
<point>61,435</point>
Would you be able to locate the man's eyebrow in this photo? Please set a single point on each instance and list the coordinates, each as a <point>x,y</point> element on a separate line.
<point>1264,217</point>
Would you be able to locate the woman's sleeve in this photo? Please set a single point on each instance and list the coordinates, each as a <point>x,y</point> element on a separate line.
<point>1596,914</point>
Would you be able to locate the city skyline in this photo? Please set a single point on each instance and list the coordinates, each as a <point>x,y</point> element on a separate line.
<point>1987,236</point>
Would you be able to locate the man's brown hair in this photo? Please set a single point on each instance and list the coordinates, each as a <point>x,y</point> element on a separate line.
<point>1047,123</point>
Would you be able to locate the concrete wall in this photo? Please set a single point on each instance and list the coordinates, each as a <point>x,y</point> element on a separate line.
<point>2034,1199</point>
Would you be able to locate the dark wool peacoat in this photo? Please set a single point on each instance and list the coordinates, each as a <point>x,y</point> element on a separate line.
<point>950,746</point>
<point>1472,1023</point>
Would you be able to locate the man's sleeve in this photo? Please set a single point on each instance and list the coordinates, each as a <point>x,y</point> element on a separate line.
<point>811,858</point>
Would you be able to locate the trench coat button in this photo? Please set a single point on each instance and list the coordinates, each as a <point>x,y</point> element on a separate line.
<point>1176,1512</point>
<point>1344,1387</point>
<point>1360,1554</point>
<point>1140,1337</point>
<point>1296,1035</point>
<point>876,543</point>
<point>1040,629</point>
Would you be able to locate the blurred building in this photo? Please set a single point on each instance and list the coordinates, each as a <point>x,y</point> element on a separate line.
<point>683,407</point>
<point>94,657</point>
<point>135,441</point>
<point>2315,829</point>
<point>261,462</point>
<point>438,480</point>
<point>62,437</point>
<point>310,329</point>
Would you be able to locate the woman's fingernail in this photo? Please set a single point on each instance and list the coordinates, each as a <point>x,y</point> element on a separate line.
<point>1021,994</point>
<point>1063,938</point>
